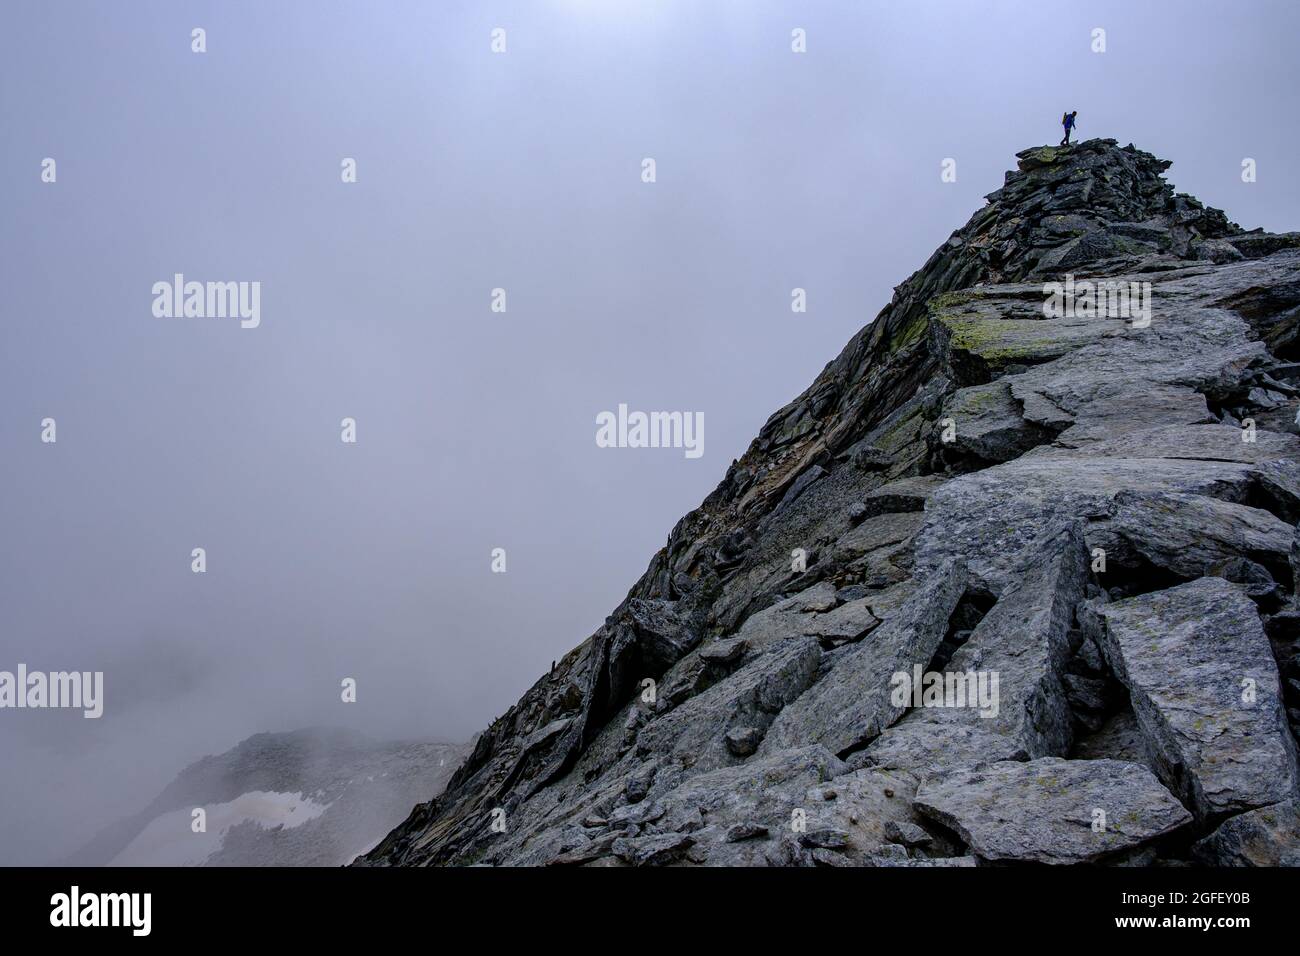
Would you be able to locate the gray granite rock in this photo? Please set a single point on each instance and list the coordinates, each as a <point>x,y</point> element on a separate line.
<point>907,834</point>
<point>1205,690</point>
<point>750,699</point>
<point>989,425</point>
<point>1052,810</point>
<point>852,703</point>
<point>992,518</point>
<point>1267,836</point>
<point>903,495</point>
<point>743,741</point>
<point>1024,640</point>
<point>651,850</point>
<point>1189,534</point>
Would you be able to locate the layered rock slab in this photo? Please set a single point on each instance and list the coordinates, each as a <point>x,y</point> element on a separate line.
<point>992,518</point>
<point>1205,691</point>
<point>736,816</point>
<point>696,730</point>
<point>852,703</point>
<point>1052,810</point>
<point>1024,640</point>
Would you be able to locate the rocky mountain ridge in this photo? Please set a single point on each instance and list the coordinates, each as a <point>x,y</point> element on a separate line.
<point>1098,510</point>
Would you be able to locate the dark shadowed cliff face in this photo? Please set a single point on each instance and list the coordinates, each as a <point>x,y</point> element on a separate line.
<point>1088,511</point>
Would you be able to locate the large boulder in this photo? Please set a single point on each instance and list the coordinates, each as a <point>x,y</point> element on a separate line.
<point>1205,690</point>
<point>1052,810</point>
<point>1188,535</point>
<point>992,518</point>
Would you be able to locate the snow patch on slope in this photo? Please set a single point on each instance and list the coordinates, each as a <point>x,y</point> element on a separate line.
<point>169,841</point>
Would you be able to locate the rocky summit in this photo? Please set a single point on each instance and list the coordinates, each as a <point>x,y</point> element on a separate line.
<point>1061,468</point>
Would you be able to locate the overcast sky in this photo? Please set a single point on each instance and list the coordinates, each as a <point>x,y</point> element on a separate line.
<point>475,429</point>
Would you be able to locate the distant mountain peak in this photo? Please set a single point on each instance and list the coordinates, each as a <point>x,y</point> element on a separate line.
<point>317,796</point>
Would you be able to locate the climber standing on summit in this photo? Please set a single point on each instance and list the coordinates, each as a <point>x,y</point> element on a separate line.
<point>1067,120</point>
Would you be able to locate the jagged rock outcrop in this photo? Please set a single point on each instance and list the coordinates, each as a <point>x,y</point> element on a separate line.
<point>982,483</point>
<point>1025,640</point>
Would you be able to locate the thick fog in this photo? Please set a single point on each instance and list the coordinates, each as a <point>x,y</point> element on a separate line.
<point>475,428</point>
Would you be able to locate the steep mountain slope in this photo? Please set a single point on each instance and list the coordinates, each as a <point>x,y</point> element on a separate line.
<point>313,797</point>
<point>1094,507</point>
